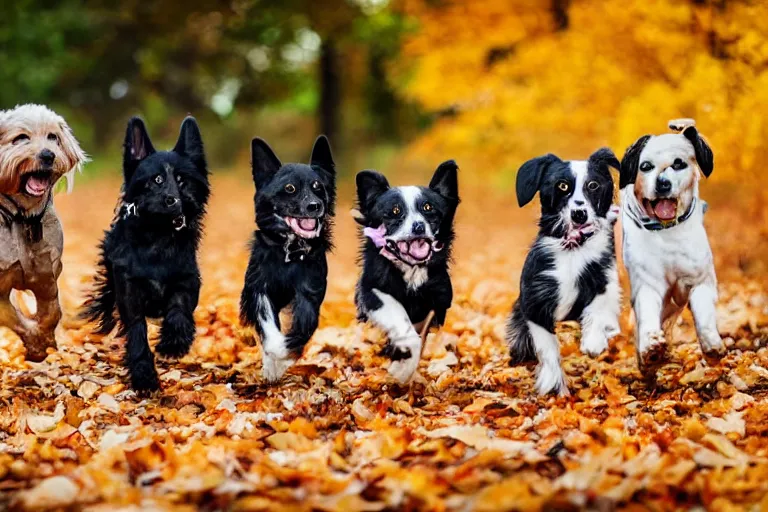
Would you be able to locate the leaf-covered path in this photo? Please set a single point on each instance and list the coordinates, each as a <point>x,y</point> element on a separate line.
<point>338,434</point>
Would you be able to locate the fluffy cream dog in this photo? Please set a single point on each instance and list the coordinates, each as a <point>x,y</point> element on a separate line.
<point>37,148</point>
<point>666,250</point>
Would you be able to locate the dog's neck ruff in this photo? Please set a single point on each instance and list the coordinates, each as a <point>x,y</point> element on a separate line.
<point>656,225</point>
<point>11,213</point>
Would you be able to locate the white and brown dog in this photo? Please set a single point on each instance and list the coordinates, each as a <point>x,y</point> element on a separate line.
<point>37,148</point>
<point>666,250</point>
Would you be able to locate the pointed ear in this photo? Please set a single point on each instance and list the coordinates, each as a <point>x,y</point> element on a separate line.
<point>605,156</point>
<point>445,181</point>
<point>136,147</point>
<point>190,143</point>
<point>264,162</point>
<point>529,177</point>
<point>370,185</point>
<point>321,155</point>
<point>631,161</point>
<point>704,156</point>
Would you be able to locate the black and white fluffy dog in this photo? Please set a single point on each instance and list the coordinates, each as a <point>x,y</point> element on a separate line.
<point>666,250</point>
<point>294,211</point>
<point>570,272</point>
<point>408,233</point>
<point>148,266</point>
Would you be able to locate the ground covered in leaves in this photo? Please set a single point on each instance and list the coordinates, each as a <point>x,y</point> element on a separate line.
<point>338,434</point>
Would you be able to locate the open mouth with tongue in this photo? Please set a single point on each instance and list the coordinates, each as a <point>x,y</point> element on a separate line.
<point>664,209</point>
<point>305,227</point>
<point>36,184</point>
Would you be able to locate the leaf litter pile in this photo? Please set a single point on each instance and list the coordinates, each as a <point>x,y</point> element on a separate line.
<point>338,434</point>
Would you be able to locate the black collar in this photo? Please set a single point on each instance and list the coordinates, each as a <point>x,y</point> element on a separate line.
<point>657,225</point>
<point>11,213</point>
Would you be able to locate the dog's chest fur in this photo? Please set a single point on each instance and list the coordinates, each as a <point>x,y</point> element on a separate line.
<point>30,260</point>
<point>679,256</point>
<point>574,277</point>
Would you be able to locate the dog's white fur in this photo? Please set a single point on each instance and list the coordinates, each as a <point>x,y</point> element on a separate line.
<point>672,267</point>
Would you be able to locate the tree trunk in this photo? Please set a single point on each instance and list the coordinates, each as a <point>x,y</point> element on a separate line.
<point>330,89</point>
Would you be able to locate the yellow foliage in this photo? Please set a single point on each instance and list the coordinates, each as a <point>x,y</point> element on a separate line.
<point>515,87</point>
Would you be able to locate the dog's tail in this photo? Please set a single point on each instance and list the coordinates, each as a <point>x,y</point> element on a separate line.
<point>100,305</point>
<point>521,349</point>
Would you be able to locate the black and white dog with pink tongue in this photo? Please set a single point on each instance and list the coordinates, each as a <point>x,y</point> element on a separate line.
<point>406,251</point>
<point>570,272</point>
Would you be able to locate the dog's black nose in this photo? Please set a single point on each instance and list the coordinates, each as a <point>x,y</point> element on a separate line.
<point>418,228</point>
<point>47,157</point>
<point>663,185</point>
<point>313,207</point>
<point>171,201</point>
<point>579,202</point>
<point>579,216</point>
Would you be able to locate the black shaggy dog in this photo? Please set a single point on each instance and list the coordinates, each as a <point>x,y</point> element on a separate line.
<point>407,248</point>
<point>148,266</point>
<point>294,211</point>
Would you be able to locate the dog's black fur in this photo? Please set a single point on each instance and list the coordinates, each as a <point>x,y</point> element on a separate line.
<point>376,203</point>
<point>287,268</point>
<point>148,266</point>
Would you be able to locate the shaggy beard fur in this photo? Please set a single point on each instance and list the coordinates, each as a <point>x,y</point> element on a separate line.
<point>294,210</point>
<point>148,266</point>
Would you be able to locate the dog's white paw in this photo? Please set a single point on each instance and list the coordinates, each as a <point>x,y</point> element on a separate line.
<point>652,352</point>
<point>551,379</point>
<point>274,367</point>
<point>404,369</point>
<point>594,344</point>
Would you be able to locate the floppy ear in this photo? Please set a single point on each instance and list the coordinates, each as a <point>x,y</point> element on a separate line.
<point>190,143</point>
<point>631,161</point>
<point>321,155</point>
<point>605,156</point>
<point>370,185</point>
<point>529,177</point>
<point>445,181</point>
<point>264,162</point>
<point>136,147</point>
<point>704,155</point>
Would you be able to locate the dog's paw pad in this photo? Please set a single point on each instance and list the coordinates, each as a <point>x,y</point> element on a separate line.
<point>402,370</point>
<point>273,367</point>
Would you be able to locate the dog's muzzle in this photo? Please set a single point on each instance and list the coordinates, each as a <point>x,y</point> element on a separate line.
<point>413,252</point>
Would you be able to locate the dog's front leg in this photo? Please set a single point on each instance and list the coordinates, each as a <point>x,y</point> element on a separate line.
<point>600,319</point>
<point>276,357</point>
<point>12,319</point>
<point>404,342</point>
<point>549,373</point>
<point>138,356</point>
<point>649,338</point>
<point>703,302</point>
<point>306,316</point>
<point>178,331</point>
<point>47,317</point>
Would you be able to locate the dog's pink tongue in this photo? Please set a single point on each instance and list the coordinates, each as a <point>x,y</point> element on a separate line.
<point>308,224</point>
<point>419,249</point>
<point>665,209</point>
<point>36,186</point>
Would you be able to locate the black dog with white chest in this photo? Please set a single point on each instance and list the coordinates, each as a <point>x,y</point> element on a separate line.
<point>294,211</point>
<point>570,272</point>
<point>408,235</point>
<point>148,266</point>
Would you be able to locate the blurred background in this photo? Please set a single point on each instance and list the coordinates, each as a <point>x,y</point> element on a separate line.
<point>399,85</point>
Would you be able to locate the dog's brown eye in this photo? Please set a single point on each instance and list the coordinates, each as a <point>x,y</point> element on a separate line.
<point>290,188</point>
<point>159,179</point>
<point>593,185</point>
<point>53,137</point>
<point>679,165</point>
<point>563,186</point>
<point>427,207</point>
<point>396,210</point>
<point>646,166</point>
<point>20,138</point>
<point>315,185</point>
